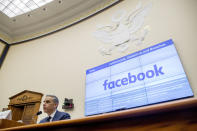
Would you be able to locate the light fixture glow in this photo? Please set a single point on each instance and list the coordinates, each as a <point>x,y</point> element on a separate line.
<point>13,8</point>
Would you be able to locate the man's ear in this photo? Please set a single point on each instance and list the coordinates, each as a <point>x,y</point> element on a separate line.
<point>56,105</point>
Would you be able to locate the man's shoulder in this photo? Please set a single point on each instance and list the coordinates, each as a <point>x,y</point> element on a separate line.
<point>63,114</point>
<point>43,120</point>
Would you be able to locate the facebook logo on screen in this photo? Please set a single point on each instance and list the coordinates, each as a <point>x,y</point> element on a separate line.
<point>155,72</point>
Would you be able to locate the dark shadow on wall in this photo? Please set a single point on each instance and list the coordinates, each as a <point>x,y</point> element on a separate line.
<point>4,53</point>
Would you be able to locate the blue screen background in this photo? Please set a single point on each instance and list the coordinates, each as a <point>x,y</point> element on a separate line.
<point>159,77</point>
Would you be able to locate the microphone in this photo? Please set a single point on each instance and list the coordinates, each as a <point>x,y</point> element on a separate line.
<point>38,113</point>
<point>34,116</point>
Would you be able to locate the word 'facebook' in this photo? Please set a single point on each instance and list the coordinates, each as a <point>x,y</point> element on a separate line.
<point>133,78</point>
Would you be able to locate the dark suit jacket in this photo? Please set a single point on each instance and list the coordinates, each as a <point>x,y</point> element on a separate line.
<point>58,116</point>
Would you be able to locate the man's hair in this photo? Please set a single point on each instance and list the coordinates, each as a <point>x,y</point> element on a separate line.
<point>55,99</point>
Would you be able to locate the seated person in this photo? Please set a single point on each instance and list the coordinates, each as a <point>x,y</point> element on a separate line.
<point>50,107</point>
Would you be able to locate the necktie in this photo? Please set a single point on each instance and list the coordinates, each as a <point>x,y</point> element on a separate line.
<point>49,118</point>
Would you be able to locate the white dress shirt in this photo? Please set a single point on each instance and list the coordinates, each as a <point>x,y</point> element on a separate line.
<point>52,115</point>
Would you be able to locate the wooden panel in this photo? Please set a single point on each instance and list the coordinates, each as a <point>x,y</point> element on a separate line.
<point>28,114</point>
<point>26,97</point>
<point>17,112</point>
<point>25,105</point>
<point>4,123</point>
<point>179,115</point>
<point>36,109</point>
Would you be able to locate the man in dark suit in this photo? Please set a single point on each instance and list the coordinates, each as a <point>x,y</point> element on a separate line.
<point>50,107</point>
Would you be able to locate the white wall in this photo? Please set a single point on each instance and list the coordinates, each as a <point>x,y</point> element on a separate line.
<point>56,64</point>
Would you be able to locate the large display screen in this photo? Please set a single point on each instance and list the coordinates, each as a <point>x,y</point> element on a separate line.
<point>148,76</point>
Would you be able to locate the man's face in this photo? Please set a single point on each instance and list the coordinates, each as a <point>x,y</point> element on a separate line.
<point>49,106</point>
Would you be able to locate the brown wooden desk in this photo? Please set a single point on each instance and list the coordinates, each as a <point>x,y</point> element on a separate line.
<point>4,123</point>
<point>180,115</point>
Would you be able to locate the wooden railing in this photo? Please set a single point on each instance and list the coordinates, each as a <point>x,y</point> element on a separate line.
<point>176,115</point>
